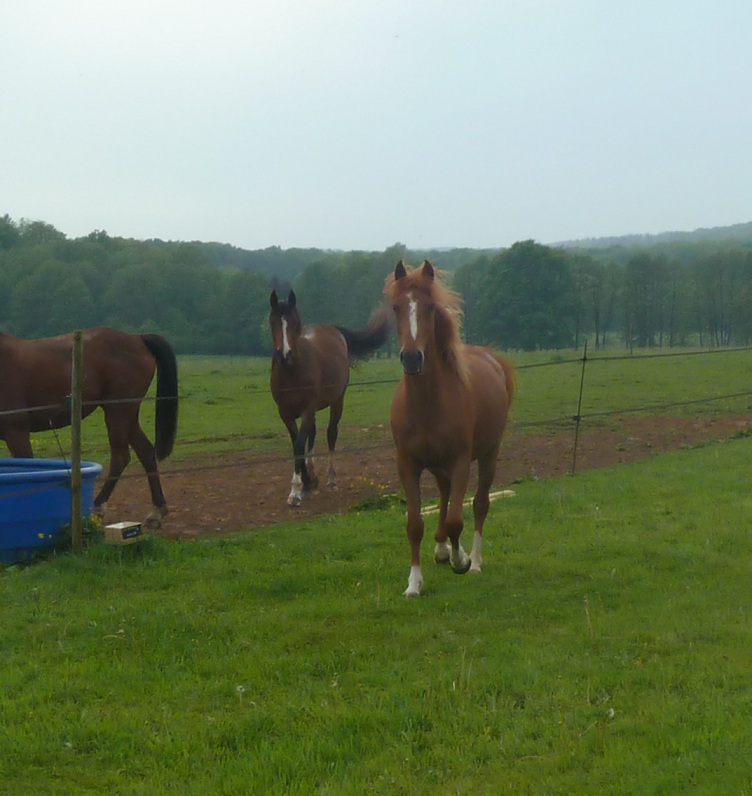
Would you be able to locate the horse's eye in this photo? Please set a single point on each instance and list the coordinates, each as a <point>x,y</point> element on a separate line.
<point>431,308</point>
<point>395,307</point>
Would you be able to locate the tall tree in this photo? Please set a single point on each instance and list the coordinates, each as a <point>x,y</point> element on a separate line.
<point>34,233</point>
<point>468,280</point>
<point>49,301</point>
<point>529,297</point>
<point>645,300</point>
<point>9,234</point>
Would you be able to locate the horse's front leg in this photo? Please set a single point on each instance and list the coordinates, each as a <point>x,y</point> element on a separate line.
<point>442,550</point>
<point>300,486</point>
<point>454,522</point>
<point>409,473</point>
<point>19,444</point>
<point>296,485</point>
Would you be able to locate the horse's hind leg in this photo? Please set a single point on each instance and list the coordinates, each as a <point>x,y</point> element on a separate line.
<point>332,432</point>
<point>119,457</point>
<point>310,460</point>
<point>148,458</point>
<point>481,503</point>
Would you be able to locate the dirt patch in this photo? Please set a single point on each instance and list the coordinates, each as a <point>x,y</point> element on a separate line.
<point>225,493</point>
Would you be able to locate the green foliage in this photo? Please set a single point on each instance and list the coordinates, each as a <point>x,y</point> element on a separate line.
<point>49,285</point>
<point>9,234</point>
<point>212,298</point>
<point>604,649</point>
<point>524,299</point>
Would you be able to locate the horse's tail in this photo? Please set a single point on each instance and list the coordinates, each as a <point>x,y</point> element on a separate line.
<point>166,419</point>
<point>365,341</point>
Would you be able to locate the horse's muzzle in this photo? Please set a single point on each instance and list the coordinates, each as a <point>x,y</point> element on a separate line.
<point>412,362</point>
<point>279,357</point>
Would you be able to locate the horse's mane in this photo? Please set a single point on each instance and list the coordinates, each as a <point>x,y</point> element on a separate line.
<point>431,282</point>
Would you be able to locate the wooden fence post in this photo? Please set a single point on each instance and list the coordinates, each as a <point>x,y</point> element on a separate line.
<point>77,541</point>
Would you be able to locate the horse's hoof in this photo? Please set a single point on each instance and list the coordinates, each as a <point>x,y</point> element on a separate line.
<point>475,568</point>
<point>461,569</point>
<point>154,521</point>
<point>414,584</point>
<point>441,554</point>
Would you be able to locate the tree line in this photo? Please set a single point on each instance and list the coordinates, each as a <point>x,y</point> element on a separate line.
<point>210,298</point>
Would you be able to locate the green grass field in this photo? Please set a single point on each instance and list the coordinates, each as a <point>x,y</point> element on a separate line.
<point>604,649</point>
<point>226,404</point>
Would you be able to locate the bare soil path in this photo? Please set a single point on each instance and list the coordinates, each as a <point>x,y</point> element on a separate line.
<point>226,493</point>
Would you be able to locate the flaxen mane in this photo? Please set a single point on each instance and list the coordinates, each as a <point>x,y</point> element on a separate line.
<point>448,308</point>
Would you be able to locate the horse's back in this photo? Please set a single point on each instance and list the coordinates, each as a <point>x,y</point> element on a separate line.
<point>116,364</point>
<point>329,357</point>
<point>37,373</point>
<point>123,361</point>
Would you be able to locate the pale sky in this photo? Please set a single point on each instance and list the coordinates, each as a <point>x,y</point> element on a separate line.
<point>356,124</point>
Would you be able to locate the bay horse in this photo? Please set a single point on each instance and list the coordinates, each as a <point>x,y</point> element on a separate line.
<point>450,409</point>
<point>311,371</point>
<point>117,370</point>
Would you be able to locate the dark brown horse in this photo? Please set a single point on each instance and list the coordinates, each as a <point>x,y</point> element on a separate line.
<point>450,409</point>
<point>311,371</point>
<point>117,369</point>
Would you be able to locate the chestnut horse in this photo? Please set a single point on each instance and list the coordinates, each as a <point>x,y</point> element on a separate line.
<point>311,371</point>
<point>450,409</point>
<point>117,369</point>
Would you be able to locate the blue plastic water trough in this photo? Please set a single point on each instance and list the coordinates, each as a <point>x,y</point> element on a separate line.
<point>35,503</point>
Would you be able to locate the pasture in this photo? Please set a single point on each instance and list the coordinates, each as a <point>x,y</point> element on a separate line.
<point>230,469</point>
<point>604,649</point>
<point>226,404</point>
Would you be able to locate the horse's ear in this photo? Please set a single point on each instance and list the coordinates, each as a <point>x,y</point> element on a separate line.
<point>273,300</point>
<point>428,271</point>
<point>291,300</point>
<point>399,270</point>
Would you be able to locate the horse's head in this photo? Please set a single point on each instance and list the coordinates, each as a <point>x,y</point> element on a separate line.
<point>425,312</point>
<point>285,324</point>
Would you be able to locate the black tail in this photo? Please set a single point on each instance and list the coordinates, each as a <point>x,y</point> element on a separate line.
<point>365,341</point>
<point>166,419</point>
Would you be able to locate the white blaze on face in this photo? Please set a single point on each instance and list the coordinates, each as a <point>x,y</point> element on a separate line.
<point>413,304</point>
<point>285,341</point>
